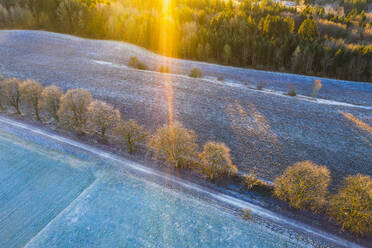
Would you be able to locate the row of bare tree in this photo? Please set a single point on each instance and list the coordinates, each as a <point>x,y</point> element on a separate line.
<point>77,111</point>
<point>303,185</point>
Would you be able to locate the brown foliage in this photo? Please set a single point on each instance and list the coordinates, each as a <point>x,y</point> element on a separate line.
<point>175,144</point>
<point>352,206</point>
<point>131,133</point>
<point>317,84</point>
<point>291,91</point>
<point>102,117</point>
<point>50,101</point>
<point>164,69</point>
<point>136,63</point>
<point>195,73</point>
<point>73,111</point>
<point>31,94</point>
<point>215,160</point>
<point>252,182</point>
<point>303,185</point>
<point>12,93</point>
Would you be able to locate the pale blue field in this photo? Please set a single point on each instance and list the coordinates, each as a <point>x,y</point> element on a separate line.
<point>51,198</point>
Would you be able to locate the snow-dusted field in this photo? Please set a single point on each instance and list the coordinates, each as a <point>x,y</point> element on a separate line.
<point>264,129</point>
<point>56,192</point>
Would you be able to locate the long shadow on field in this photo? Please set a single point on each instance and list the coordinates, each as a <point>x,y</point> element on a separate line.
<point>362,130</point>
<point>257,140</point>
<point>269,141</point>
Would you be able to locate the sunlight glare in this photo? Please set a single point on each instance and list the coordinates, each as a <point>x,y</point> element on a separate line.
<point>167,39</point>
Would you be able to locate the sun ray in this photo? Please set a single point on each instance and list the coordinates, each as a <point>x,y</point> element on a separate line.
<point>167,41</point>
<point>169,92</point>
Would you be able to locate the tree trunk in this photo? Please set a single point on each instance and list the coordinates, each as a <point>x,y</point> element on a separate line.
<point>56,118</point>
<point>103,136</point>
<point>37,113</point>
<point>17,108</point>
<point>130,145</point>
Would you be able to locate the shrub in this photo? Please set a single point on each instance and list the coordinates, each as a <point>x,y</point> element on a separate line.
<point>216,161</point>
<point>131,133</point>
<point>247,214</point>
<point>195,73</point>
<point>50,101</point>
<point>102,117</point>
<point>260,86</point>
<point>291,91</point>
<point>136,63</point>
<point>352,206</point>
<point>31,94</point>
<point>12,93</point>
<point>73,111</point>
<point>220,78</point>
<point>252,182</point>
<point>175,144</point>
<point>164,69</point>
<point>317,84</point>
<point>303,185</point>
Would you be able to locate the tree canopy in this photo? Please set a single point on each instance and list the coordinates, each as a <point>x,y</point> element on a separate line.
<point>248,33</point>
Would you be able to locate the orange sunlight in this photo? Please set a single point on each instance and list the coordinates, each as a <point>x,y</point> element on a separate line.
<point>167,40</point>
<point>358,122</point>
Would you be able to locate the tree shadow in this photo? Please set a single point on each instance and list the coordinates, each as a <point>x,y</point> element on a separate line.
<point>362,130</point>
<point>258,142</point>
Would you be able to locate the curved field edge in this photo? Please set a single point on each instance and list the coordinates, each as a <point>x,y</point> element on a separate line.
<point>264,131</point>
<point>75,147</point>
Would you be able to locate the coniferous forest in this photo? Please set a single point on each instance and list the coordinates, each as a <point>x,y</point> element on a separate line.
<point>308,39</point>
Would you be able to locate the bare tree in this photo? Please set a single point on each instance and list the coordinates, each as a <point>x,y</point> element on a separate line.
<point>216,160</point>
<point>317,84</point>
<point>102,117</point>
<point>50,101</point>
<point>73,111</point>
<point>12,93</point>
<point>31,94</point>
<point>130,132</point>
<point>175,144</point>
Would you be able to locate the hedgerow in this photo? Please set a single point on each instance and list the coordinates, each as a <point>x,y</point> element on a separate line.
<point>303,185</point>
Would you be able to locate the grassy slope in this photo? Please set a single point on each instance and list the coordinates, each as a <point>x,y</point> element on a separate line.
<point>264,131</point>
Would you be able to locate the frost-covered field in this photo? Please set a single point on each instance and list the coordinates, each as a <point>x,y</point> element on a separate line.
<point>264,129</point>
<point>55,192</point>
